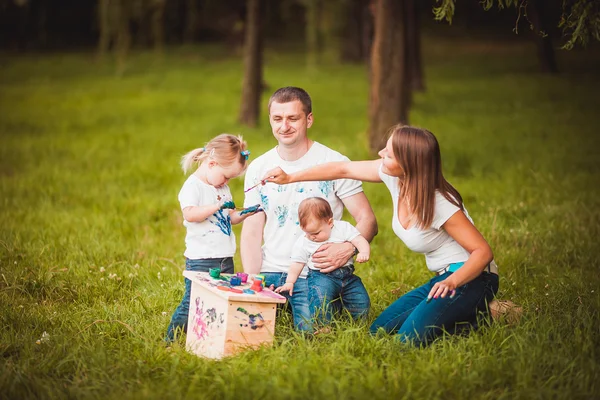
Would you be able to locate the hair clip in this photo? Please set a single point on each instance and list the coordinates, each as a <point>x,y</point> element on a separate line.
<point>203,148</point>
<point>245,153</point>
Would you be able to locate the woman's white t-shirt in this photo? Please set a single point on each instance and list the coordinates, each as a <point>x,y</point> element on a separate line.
<point>439,247</point>
<point>213,237</point>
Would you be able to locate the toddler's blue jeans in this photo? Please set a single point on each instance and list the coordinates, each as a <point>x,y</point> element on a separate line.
<point>417,321</point>
<point>298,301</point>
<point>180,316</point>
<point>339,289</point>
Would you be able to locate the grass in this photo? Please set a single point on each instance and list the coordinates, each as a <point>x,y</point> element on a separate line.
<point>91,239</point>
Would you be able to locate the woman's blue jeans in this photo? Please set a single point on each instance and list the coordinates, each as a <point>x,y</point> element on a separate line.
<point>180,316</point>
<point>339,289</point>
<point>417,321</point>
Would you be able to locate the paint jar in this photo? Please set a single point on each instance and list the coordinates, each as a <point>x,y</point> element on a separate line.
<point>214,272</point>
<point>235,281</point>
<point>242,276</point>
<point>262,279</point>
<point>257,284</point>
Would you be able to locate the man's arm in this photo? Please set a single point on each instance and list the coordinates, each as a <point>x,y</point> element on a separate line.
<point>251,241</point>
<point>331,256</point>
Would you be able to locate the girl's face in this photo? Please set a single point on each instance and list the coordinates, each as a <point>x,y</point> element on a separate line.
<point>318,230</point>
<point>218,175</point>
<point>390,165</point>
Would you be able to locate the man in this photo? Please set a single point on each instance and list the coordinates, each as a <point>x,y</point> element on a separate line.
<point>290,116</point>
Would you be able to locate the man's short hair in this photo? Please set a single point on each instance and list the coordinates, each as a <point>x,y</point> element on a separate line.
<point>291,93</point>
<point>314,207</point>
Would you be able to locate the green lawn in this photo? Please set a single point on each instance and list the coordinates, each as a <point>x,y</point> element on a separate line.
<point>89,179</point>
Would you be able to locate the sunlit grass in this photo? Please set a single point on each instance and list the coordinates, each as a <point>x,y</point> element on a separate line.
<point>91,240</point>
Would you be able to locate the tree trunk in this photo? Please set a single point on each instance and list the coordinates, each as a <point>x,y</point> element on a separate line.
<point>191,21</point>
<point>251,89</point>
<point>413,46</point>
<point>104,7</point>
<point>389,87</point>
<point>352,47</point>
<point>158,26</point>
<point>312,33</point>
<point>543,41</point>
<point>123,40</point>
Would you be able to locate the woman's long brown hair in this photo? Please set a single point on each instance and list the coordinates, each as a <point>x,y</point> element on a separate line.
<point>418,153</point>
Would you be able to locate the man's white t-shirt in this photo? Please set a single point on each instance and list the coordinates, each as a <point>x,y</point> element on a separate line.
<point>213,237</point>
<point>439,247</point>
<point>280,202</point>
<point>304,248</point>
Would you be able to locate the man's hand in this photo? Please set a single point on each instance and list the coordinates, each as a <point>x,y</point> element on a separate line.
<point>331,256</point>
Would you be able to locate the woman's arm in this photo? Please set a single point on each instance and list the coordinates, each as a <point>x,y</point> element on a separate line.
<point>366,171</point>
<point>464,232</point>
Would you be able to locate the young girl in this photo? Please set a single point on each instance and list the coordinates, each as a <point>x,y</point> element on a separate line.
<point>206,204</point>
<point>324,290</point>
<point>430,218</point>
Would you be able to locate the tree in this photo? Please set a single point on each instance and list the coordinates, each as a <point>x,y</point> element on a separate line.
<point>158,25</point>
<point>353,46</point>
<point>251,87</point>
<point>413,46</point>
<point>389,99</point>
<point>543,40</point>
<point>579,21</point>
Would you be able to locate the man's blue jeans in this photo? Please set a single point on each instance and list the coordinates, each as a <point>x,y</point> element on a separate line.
<point>298,301</point>
<point>417,321</point>
<point>180,316</point>
<point>329,293</point>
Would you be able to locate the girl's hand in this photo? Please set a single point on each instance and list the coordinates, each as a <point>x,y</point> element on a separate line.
<point>442,289</point>
<point>276,175</point>
<point>362,257</point>
<point>288,287</point>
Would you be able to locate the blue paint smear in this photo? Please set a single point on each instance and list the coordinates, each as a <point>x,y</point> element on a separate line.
<point>326,187</point>
<point>265,201</point>
<point>223,222</point>
<point>281,212</point>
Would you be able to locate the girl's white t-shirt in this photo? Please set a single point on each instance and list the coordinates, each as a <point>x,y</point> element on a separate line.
<point>439,247</point>
<point>213,237</point>
<point>304,248</point>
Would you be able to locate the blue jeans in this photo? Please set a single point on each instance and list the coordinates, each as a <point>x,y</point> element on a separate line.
<point>336,290</point>
<point>180,316</point>
<point>417,321</point>
<point>298,301</point>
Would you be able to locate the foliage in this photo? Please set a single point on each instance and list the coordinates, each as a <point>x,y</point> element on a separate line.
<point>91,238</point>
<point>580,19</point>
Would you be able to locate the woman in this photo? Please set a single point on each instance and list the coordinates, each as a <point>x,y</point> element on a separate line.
<point>429,217</point>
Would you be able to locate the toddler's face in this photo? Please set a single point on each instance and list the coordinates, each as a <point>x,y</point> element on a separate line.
<point>218,176</point>
<point>318,230</point>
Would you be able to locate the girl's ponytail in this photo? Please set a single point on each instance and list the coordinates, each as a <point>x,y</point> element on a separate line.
<point>192,158</point>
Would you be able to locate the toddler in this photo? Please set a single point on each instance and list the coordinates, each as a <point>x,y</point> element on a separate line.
<point>339,288</point>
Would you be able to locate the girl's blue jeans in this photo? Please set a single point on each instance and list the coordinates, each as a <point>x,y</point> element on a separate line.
<point>334,291</point>
<point>180,316</point>
<point>417,321</point>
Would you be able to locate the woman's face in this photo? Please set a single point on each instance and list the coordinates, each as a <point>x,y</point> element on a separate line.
<point>390,165</point>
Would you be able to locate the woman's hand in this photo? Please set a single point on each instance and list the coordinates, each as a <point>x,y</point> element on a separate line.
<point>442,289</point>
<point>276,175</point>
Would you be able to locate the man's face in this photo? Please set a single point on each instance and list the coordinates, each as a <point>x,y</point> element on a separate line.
<point>289,122</point>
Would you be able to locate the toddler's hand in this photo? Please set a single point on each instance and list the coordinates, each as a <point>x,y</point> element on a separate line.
<point>362,257</point>
<point>288,287</point>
